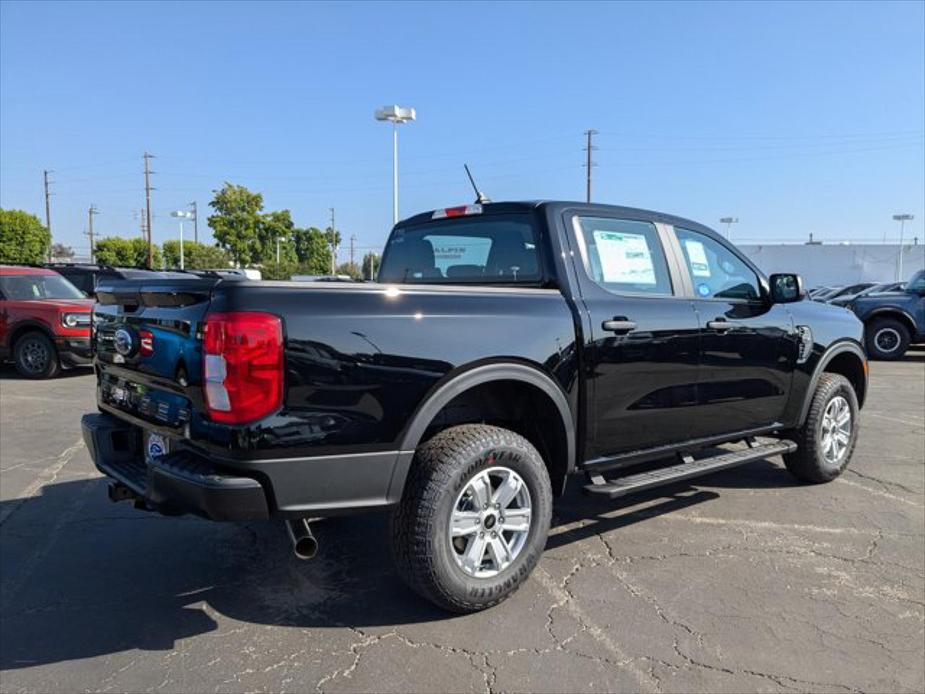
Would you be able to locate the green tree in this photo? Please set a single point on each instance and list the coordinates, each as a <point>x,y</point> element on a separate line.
<point>196,256</point>
<point>312,251</point>
<point>280,271</point>
<point>123,252</point>
<point>275,226</point>
<point>237,223</point>
<point>371,262</point>
<point>23,238</point>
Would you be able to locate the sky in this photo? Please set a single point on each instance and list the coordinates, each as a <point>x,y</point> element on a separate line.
<point>796,118</point>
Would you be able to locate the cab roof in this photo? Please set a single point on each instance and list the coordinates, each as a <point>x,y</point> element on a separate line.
<point>562,205</point>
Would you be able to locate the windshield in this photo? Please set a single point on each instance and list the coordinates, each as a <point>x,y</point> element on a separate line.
<point>916,283</point>
<point>490,249</point>
<point>34,287</point>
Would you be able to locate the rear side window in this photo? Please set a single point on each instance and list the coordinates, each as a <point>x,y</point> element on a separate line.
<point>490,249</point>
<point>716,272</point>
<point>624,256</point>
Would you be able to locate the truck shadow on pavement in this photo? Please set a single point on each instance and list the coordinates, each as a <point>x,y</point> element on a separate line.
<point>81,577</point>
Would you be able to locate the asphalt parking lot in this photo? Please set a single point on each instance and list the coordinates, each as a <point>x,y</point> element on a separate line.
<point>745,581</point>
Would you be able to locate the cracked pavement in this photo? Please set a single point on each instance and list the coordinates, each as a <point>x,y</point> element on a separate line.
<point>741,581</point>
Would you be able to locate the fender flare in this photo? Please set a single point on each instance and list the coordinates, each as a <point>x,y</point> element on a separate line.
<point>891,311</point>
<point>832,352</point>
<point>25,326</point>
<point>506,371</point>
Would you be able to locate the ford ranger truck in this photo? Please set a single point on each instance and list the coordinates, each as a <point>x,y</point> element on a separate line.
<point>506,348</point>
<point>44,322</point>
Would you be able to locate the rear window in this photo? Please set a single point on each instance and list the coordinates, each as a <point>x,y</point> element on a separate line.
<point>32,287</point>
<point>490,249</point>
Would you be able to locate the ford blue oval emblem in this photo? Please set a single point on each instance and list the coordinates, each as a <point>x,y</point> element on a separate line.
<point>123,341</point>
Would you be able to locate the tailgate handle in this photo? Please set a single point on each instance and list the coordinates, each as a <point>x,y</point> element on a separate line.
<point>619,325</point>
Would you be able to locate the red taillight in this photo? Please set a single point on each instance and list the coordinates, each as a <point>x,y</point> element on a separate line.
<point>243,365</point>
<point>145,343</point>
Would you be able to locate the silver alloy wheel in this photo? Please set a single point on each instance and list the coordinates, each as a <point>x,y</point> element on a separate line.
<point>490,522</point>
<point>35,355</point>
<point>887,340</point>
<point>836,430</point>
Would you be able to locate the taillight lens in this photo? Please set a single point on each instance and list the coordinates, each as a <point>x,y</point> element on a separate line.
<point>243,365</point>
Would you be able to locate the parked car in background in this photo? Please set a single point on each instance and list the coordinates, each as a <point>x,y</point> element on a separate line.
<point>845,299</point>
<point>826,292</point>
<point>86,276</point>
<point>44,321</point>
<point>849,290</point>
<point>505,347</point>
<point>893,320</point>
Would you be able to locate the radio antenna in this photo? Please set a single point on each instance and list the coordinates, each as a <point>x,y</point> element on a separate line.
<point>480,199</point>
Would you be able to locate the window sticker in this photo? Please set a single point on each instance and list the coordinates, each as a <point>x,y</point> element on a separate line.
<point>697,257</point>
<point>625,258</point>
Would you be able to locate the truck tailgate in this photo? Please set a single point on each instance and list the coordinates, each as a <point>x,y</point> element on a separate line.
<point>148,346</point>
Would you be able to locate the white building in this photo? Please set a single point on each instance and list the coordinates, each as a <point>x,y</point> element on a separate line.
<point>841,263</point>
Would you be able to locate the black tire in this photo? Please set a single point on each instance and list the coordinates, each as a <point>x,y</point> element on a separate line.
<point>809,463</point>
<point>442,469</point>
<point>35,356</point>
<point>886,338</point>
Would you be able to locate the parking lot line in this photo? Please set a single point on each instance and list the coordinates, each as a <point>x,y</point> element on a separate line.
<point>878,492</point>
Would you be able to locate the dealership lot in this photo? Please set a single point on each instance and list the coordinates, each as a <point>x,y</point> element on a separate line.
<point>742,581</point>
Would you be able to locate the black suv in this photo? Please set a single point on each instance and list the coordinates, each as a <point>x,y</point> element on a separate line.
<point>86,276</point>
<point>507,348</point>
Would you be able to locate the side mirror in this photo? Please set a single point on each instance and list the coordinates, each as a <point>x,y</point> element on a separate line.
<point>786,287</point>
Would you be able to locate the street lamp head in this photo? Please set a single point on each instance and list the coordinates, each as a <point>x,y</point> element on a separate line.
<point>182,214</point>
<point>903,217</point>
<point>729,220</point>
<point>395,114</point>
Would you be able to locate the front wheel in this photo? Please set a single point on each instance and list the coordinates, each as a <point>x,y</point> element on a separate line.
<point>35,356</point>
<point>886,338</point>
<point>474,517</point>
<point>827,438</point>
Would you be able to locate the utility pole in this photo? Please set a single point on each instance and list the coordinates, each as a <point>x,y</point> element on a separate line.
<point>590,163</point>
<point>148,189</point>
<point>196,222</point>
<point>90,213</point>
<point>48,212</point>
<point>353,238</point>
<point>333,244</point>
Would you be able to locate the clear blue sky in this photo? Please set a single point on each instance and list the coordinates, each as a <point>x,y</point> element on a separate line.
<point>794,117</point>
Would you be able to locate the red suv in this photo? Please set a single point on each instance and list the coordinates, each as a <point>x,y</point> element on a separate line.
<point>44,321</point>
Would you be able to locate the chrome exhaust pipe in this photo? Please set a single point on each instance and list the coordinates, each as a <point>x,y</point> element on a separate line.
<point>304,543</point>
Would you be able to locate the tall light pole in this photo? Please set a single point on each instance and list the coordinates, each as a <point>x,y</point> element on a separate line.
<point>396,115</point>
<point>902,219</point>
<point>729,221</point>
<point>181,215</point>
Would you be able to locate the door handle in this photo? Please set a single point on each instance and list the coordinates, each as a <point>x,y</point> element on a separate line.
<point>719,325</point>
<point>619,325</point>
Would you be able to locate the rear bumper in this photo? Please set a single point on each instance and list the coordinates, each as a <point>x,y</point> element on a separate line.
<point>178,482</point>
<point>184,481</point>
<point>74,351</point>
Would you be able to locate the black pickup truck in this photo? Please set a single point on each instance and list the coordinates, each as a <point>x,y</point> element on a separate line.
<point>505,347</point>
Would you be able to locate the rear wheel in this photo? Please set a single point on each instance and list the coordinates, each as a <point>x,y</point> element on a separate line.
<point>825,442</point>
<point>35,356</point>
<point>886,338</point>
<point>474,517</point>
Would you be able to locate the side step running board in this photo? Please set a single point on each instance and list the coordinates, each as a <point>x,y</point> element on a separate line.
<point>686,470</point>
